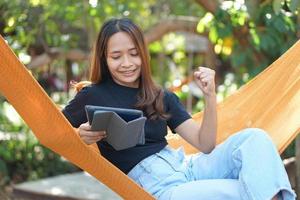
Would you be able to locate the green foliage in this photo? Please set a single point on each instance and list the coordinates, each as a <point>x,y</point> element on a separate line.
<point>170,58</point>
<point>290,151</point>
<point>57,23</point>
<point>22,157</point>
<point>251,35</point>
<point>4,178</point>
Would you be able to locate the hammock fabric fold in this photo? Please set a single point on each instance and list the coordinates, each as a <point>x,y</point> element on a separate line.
<point>270,101</point>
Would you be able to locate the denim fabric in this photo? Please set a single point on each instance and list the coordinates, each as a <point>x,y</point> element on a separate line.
<point>245,166</point>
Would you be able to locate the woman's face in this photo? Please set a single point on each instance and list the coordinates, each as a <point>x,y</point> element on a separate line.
<point>123,60</point>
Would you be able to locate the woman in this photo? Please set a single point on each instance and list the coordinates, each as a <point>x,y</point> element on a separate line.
<point>245,166</point>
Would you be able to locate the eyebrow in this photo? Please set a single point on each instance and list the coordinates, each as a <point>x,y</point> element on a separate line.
<point>116,51</point>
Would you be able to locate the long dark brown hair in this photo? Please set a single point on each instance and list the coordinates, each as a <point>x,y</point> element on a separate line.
<point>150,96</point>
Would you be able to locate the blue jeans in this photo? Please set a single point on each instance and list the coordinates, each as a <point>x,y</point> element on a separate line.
<point>245,166</point>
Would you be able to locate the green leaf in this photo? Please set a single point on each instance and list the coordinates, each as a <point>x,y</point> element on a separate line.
<point>224,30</point>
<point>200,27</point>
<point>213,34</point>
<point>204,22</point>
<point>255,38</point>
<point>279,24</point>
<point>155,47</point>
<point>277,6</point>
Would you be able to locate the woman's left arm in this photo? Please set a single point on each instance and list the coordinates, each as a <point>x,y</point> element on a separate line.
<point>203,136</point>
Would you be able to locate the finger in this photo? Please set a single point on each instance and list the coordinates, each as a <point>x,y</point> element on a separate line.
<point>99,133</point>
<point>91,140</point>
<point>92,133</point>
<point>85,126</point>
<point>202,85</point>
<point>95,137</point>
<point>207,79</point>
<point>197,74</point>
<point>203,69</point>
<point>84,133</point>
<point>201,75</point>
<point>99,137</point>
<point>204,75</point>
<point>206,70</point>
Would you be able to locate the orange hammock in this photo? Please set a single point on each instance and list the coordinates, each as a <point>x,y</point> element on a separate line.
<point>270,101</point>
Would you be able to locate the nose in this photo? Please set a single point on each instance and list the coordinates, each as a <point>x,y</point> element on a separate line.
<point>126,61</point>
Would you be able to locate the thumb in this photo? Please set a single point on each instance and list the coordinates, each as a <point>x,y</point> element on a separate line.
<point>85,126</point>
<point>199,83</point>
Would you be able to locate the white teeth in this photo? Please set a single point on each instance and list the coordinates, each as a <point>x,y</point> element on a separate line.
<point>129,72</point>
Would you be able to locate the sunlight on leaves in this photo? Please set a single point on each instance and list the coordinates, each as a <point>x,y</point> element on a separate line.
<point>204,22</point>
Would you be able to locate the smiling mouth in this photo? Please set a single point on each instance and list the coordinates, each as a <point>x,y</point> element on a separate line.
<point>128,72</point>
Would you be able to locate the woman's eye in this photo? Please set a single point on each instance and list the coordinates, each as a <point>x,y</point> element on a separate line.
<point>134,54</point>
<point>115,57</point>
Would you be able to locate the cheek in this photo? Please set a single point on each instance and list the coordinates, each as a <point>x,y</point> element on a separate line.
<point>112,65</point>
<point>138,62</point>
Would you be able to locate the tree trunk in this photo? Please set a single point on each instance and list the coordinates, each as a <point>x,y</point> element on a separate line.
<point>210,6</point>
<point>69,73</point>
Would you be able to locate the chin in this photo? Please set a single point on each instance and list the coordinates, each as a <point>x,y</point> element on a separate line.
<point>129,80</point>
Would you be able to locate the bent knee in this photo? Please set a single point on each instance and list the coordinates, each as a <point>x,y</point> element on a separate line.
<point>253,132</point>
<point>257,133</point>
